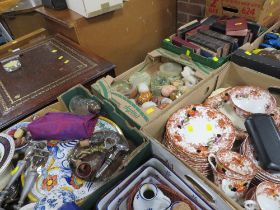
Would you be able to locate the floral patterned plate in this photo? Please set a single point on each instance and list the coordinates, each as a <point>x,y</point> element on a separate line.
<point>7,150</point>
<point>57,173</point>
<point>262,175</point>
<point>249,99</point>
<point>268,195</point>
<point>198,130</point>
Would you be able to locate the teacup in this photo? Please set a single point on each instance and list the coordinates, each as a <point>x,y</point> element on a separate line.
<point>267,196</point>
<point>233,187</point>
<point>233,164</point>
<point>149,196</point>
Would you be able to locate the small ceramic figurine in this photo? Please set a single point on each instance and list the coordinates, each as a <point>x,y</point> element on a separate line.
<point>189,76</point>
<point>167,90</point>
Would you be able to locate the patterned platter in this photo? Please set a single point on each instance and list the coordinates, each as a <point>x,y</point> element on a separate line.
<point>57,173</point>
<point>199,130</point>
<point>7,150</point>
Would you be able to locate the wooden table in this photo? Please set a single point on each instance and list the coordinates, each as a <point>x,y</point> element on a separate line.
<point>50,66</point>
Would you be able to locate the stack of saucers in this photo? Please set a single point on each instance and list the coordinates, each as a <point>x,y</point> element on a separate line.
<point>262,175</point>
<point>192,133</point>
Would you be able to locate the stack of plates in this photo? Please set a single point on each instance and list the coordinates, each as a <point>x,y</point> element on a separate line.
<point>192,133</point>
<point>153,171</point>
<point>262,175</point>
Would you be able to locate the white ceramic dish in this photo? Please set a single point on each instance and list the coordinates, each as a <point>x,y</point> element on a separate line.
<point>121,199</point>
<point>166,172</point>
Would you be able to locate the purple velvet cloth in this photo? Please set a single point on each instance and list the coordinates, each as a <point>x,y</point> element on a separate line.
<point>62,126</point>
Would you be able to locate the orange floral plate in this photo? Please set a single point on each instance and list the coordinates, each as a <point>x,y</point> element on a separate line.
<point>198,130</point>
<point>57,173</point>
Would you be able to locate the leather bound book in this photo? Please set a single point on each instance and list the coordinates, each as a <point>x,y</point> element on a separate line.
<point>194,31</point>
<point>219,27</point>
<point>232,41</point>
<point>236,27</point>
<point>181,42</point>
<point>210,43</point>
<point>210,20</point>
<point>183,30</point>
<point>48,68</point>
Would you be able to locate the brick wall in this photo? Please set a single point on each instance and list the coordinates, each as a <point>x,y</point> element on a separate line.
<point>188,10</point>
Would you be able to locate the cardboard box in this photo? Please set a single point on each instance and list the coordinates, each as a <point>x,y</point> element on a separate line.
<point>266,65</point>
<point>200,185</point>
<point>265,12</point>
<point>232,75</point>
<point>89,8</point>
<point>133,113</point>
<point>140,143</point>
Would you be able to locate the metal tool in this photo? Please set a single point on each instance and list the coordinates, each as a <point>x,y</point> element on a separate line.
<point>35,169</point>
<point>121,146</point>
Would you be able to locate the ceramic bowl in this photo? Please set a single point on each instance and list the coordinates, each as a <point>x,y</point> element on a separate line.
<point>267,196</point>
<point>248,100</point>
<point>11,131</point>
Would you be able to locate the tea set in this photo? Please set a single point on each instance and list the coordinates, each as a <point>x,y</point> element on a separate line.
<point>203,135</point>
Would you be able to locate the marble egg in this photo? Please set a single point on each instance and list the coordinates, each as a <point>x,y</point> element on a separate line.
<point>166,101</point>
<point>177,83</point>
<point>167,90</point>
<point>148,104</point>
<point>162,106</point>
<point>144,97</point>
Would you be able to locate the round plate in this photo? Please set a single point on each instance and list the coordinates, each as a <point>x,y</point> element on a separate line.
<point>57,173</point>
<point>16,126</point>
<point>198,130</point>
<point>249,99</point>
<point>262,175</point>
<point>268,195</point>
<point>7,150</point>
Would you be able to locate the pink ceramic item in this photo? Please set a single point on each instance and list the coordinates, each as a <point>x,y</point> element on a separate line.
<point>248,100</point>
<point>198,130</point>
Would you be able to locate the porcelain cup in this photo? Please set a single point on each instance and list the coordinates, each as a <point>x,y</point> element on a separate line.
<point>149,196</point>
<point>233,187</point>
<point>232,164</point>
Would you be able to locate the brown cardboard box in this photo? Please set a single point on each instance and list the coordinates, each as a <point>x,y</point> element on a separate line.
<point>265,12</point>
<point>151,64</point>
<point>231,75</point>
<point>259,40</point>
